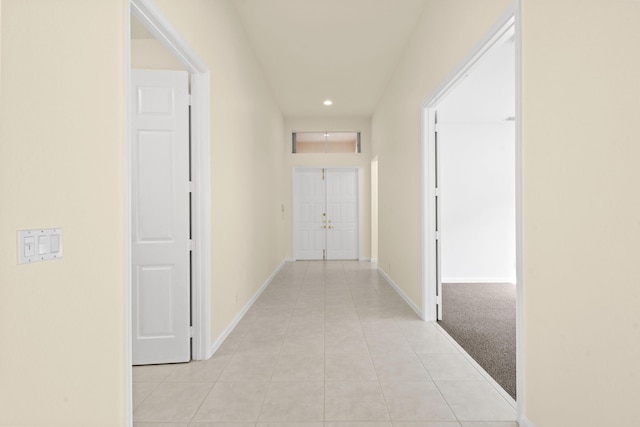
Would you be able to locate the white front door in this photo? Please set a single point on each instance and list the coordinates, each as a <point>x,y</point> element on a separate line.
<point>342,213</point>
<point>325,224</point>
<point>309,214</point>
<point>160,217</point>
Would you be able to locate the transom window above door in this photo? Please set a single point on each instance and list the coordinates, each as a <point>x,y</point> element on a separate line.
<point>326,142</point>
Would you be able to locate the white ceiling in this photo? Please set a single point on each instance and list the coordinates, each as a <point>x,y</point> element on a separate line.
<point>343,50</point>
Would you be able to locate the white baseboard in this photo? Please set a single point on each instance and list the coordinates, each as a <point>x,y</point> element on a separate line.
<point>511,280</point>
<point>364,259</point>
<point>401,293</point>
<point>223,336</point>
<point>525,422</point>
<point>374,260</point>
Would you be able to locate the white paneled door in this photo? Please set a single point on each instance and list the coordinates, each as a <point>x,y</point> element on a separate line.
<point>160,217</point>
<point>309,214</point>
<point>325,213</point>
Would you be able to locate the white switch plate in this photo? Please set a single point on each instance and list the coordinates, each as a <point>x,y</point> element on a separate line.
<point>40,244</point>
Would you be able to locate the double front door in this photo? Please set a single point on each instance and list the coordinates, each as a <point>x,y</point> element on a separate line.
<point>325,213</point>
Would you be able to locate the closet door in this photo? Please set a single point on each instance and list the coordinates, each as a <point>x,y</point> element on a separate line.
<point>160,217</point>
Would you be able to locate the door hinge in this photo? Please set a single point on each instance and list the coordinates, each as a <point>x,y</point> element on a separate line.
<point>323,174</point>
<point>437,235</point>
<point>190,186</point>
<point>190,99</point>
<point>190,245</point>
<point>191,331</point>
<point>324,254</point>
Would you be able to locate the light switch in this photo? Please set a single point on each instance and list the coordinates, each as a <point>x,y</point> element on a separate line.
<point>29,246</point>
<point>40,244</point>
<point>43,244</point>
<point>54,241</point>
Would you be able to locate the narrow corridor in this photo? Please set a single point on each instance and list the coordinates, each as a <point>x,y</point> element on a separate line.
<point>327,344</point>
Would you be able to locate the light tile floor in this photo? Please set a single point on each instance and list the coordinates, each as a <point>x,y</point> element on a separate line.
<point>327,344</point>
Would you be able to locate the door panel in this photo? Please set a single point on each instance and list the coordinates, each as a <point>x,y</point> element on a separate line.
<point>160,217</point>
<point>154,175</point>
<point>155,293</point>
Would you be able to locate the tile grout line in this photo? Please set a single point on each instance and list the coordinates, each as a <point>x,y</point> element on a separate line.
<point>162,380</point>
<point>147,396</point>
<point>384,397</point>
<point>269,381</point>
<point>324,337</point>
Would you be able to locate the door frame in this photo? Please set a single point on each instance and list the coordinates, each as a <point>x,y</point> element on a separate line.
<point>511,18</point>
<point>199,76</point>
<point>293,204</point>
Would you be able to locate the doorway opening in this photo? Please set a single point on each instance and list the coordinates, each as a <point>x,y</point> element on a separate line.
<point>152,21</point>
<point>471,201</point>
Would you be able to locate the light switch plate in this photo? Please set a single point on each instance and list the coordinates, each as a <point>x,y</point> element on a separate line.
<point>40,244</point>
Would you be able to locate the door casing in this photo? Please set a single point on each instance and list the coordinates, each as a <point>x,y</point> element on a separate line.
<point>151,18</point>
<point>511,18</point>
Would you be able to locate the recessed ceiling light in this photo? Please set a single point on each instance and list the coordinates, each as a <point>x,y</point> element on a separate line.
<point>328,102</point>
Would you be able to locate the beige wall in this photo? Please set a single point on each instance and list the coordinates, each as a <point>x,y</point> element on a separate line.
<point>581,141</point>
<point>63,358</point>
<point>445,34</point>
<point>362,161</point>
<point>150,54</point>
<point>581,210</point>
<point>247,164</point>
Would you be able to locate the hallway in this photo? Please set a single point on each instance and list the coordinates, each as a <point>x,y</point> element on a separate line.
<point>326,344</point>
